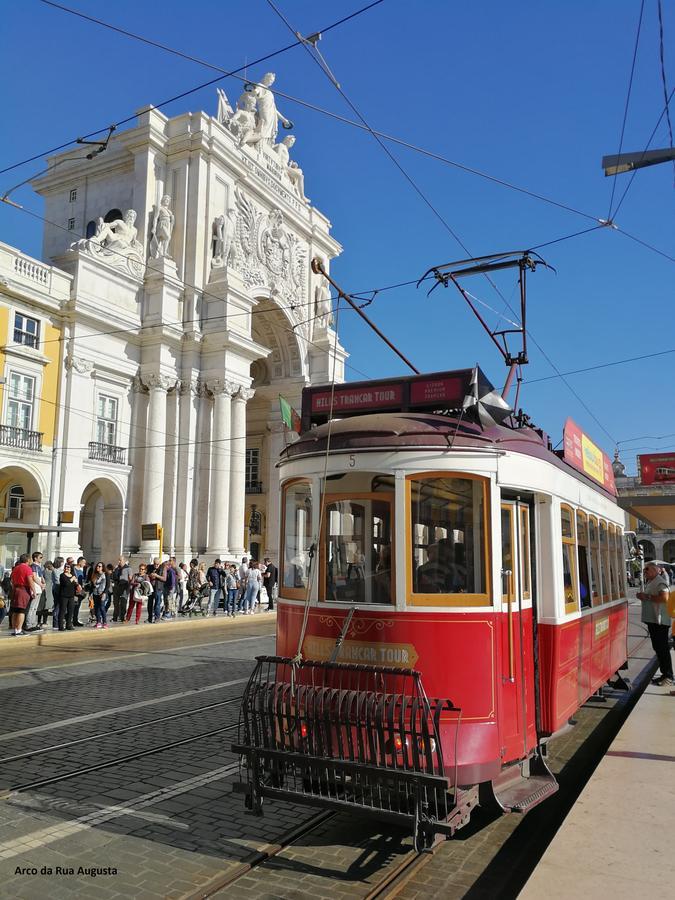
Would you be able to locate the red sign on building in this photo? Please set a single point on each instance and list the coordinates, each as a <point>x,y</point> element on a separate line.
<point>657,468</point>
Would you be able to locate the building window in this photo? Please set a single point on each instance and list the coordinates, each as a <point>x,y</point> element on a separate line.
<point>26,331</point>
<point>91,229</point>
<point>252,466</point>
<point>15,502</point>
<point>20,401</point>
<point>71,224</point>
<point>73,195</point>
<point>106,422</point>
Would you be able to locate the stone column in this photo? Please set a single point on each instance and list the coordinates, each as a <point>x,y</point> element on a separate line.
<point>219,505</point>
<point>187,462</point>
<point>137,441</point>
<point>155,453</point>
<point>238,471</point>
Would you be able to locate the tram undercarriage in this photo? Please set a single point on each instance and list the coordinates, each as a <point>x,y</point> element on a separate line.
<point>366,738</point>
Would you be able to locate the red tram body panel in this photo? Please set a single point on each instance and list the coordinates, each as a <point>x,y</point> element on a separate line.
<point>449,594</point>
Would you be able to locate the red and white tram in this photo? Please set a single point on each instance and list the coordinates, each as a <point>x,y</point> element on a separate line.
<point>449,595</point>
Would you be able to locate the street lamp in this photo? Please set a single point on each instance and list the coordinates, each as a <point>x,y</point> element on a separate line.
<point>627,162</point>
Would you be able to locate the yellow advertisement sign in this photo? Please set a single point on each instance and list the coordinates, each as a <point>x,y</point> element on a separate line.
<point>601,626</point>
<point>593,462</point>
<point>402,656</point>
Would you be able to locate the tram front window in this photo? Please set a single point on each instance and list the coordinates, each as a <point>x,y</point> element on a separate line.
<point>448,535</point>
<point>297,539</point>
<point>357,551</point>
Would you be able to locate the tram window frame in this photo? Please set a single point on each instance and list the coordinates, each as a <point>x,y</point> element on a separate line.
<point>604,561</point>
<point>508,581</point>
<point>612,561</point>
<point>620,565</point>
<point>525,552</point>
<point>294,593</point>
<point>568,545</point>
<point>355,496</point>
<point>483,598</point>
<point>583,559</point>
<point>594,539</point>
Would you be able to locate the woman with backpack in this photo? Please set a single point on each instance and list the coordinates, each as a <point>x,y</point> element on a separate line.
<point>139,590</point>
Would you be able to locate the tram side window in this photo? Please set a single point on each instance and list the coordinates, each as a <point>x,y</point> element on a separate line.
<point>448,535</point>
<point>297,539</point>
<point>570,590</point>
<point>596,587</point>
<point>357,556</point>
<point>604,564</point>
<point>584,561</point>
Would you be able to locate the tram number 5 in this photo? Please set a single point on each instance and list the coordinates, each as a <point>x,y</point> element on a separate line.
<point>352,460</point>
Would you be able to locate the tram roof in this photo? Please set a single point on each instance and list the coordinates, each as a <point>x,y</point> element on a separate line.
<point>420,430</point>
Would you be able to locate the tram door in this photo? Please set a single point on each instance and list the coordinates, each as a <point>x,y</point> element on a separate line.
<point>517,675</point>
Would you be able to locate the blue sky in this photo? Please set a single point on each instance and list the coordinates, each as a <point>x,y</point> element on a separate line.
<point>531,92</point>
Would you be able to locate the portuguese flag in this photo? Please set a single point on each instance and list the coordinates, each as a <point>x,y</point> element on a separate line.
<point>289,416</point>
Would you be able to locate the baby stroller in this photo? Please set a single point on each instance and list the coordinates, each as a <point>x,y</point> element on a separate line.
<point>196,598</point>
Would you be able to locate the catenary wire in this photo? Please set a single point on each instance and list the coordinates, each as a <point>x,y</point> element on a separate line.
<point>440,217</point>
<point>625,109</point>
<point>412,147</point>
<point>183,94</point>
<point>636,169</point>
<point>403,143</point>
<point>616,362</point>
<point>179,282</point>
<point>663,74</point>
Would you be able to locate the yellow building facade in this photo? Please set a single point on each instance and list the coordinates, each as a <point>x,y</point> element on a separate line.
<point>33,299</point>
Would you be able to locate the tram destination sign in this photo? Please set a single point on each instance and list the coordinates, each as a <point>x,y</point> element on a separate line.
<point>657,468</point>
<point>580,451</point>
<point>438,390</point>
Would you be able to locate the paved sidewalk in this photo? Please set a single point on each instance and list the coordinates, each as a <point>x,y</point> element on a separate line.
<point>617,839</point>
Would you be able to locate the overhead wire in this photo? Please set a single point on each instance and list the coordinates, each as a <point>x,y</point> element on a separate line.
<point>439,216</point>
<point>183,94</point>
<point>607,365</point>
<point>315,108</point>
<point>663,75</point>
<point>625,109</point>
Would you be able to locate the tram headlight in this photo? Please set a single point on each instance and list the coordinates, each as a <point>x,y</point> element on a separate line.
<point>422,745</point>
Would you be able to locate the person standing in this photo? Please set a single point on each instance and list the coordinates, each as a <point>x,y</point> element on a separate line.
<point>38,601</point>
<point>170,588</point>
<point>655,615</point>
<point>182,575</point>
<point>97,584</point>
<point>121,580</point>
<point>68,585</point>
<point>140,589</point>
<point>24,588</point>
<point>79,572</point>
<point>56,592</point>
<point>253,585</point>
<point>231,589</point>
<point>156,599</point>
<point>270,578</point>
<point>213,576</point>
<point>243,575</point>
<point>43,614</point>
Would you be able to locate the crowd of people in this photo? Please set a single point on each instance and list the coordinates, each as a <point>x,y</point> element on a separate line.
<point>34,591</point>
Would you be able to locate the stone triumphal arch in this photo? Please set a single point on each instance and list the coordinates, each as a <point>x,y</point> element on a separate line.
<point>192,237</point>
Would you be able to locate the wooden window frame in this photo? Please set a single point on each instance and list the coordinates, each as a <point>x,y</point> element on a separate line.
<point>604,561</point>
<point>571,606</point>
<point>595,549</point>
<point>449,600</point>
<point>390,499</point>
<point>287,592</point>
<point>611,534</point>
<point>525,554</point>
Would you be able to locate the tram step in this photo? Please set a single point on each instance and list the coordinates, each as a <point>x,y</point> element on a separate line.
<point>522,794</point>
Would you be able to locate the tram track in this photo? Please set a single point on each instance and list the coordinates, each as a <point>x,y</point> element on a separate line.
<point>118,761</point>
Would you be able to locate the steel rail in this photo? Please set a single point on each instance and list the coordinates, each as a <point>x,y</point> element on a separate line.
<point>104,734</point>
<point>129,757</point>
